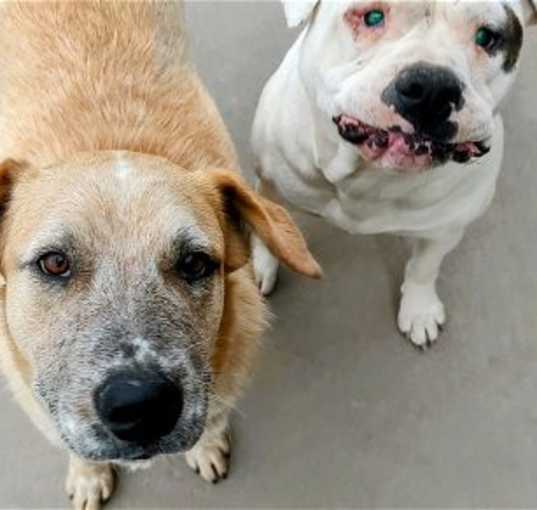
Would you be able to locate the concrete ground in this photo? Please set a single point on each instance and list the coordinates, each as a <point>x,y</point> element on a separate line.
<point>343,412</point>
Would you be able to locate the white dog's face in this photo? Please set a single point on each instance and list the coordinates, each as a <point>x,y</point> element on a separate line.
<point>413,84</point>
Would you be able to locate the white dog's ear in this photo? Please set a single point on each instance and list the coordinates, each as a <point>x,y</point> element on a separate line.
<point>298,11</point>
<point>529,10</point>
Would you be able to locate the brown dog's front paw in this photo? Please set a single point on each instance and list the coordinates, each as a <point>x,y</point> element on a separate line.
<point>210,459</point>
<point>89,485</point>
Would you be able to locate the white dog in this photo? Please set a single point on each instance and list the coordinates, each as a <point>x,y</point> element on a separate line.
<point>383,118</point>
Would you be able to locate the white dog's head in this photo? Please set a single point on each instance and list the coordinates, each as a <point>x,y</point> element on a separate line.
<point>411,83</point>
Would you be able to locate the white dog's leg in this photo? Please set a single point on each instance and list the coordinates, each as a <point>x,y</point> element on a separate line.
<point>210,455</point>
<point>421,312</point>
<point>265,264</point>
<point>89,484</point>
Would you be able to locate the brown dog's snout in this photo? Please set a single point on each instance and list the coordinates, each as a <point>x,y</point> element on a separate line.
<point>139,407</point>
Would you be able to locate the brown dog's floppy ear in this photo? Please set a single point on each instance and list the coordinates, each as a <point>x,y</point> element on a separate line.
<point>270,222</point>
<point>9,170</point>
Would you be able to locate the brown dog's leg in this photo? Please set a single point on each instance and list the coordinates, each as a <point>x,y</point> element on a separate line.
<point>89,484</point>
<point>210,456</point>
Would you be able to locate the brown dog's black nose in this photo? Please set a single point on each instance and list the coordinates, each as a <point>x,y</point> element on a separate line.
<point>139,407</point>
<point>426,95</point>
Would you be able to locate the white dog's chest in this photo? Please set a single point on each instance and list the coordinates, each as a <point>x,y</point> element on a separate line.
<point>376,201</point>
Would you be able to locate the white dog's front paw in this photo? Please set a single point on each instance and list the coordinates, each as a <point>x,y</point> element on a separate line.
<point>89,485</point>
<point>210,459</point>
<point>265,267</point>
<point>421,314</point>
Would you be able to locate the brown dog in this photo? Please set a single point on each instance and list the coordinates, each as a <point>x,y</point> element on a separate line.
<point>129,316</point>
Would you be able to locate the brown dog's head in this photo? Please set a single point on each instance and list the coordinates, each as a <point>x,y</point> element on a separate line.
<point>115,267</point>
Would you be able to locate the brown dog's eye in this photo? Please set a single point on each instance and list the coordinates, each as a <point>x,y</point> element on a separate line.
<point>55,264</point>
<point>196,265</point>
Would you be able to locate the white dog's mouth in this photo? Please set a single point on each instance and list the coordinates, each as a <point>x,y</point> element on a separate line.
<point>392,148</point>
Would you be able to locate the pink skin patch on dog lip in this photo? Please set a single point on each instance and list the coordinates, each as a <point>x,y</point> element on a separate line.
<point>393,148</point>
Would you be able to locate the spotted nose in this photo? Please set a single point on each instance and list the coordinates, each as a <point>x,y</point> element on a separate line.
<point>139,407</point>
<point>426,95</point>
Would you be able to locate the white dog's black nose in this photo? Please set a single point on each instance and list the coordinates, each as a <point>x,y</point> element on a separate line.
<point>426,96</point>
<point>139,407</point>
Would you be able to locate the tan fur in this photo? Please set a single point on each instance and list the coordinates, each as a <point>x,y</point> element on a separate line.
<point>121,80</point>
<point>271,223</point>
<point>84,85</point>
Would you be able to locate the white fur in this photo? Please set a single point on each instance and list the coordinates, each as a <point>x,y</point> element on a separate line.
<point>298,11</point>
<point>529,9</point>
<point>310,166</point>
<point>144,350</point>
<point>210,455</point>
<point>123,169</point>
<point>87,484</point>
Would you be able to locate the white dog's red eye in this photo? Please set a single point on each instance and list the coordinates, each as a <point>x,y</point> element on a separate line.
<point>374,18</point>
<point>487,39</point>
<point>365,20</point>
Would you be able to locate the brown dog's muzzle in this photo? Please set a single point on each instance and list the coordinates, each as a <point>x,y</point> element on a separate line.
<point>139,408</point>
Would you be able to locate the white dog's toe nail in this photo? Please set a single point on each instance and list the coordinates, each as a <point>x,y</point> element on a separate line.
<point>421,315</point>
<point>432,330</point>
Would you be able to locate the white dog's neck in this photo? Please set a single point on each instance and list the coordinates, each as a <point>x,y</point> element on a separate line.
<point>334,157</point>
